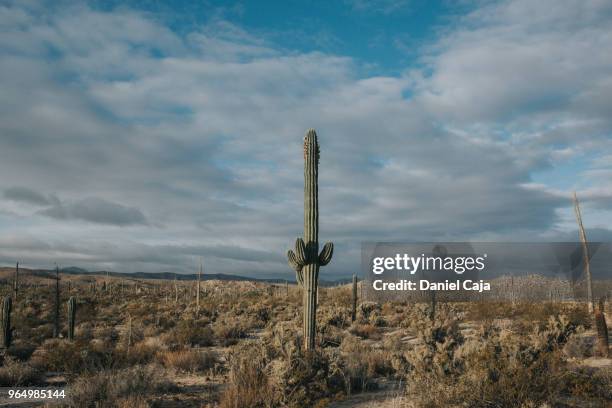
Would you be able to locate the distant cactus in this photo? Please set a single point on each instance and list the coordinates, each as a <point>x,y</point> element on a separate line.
<point>72,309</point>
<point>16,281</point>
<point>354,300</point>
<point>198,288</point>
<point>306,259</point>
<point>7,331</point>
<point>56,309</point>
<point>603,346</point>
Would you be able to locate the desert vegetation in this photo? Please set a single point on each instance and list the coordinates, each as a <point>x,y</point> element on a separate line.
<point>141,343</point>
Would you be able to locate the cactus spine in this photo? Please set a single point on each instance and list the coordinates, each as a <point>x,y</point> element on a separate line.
<point>305,259</point>
<point>72,307</point>
<point>354,309</point>
<point>7,331</point>
<point>603,345</point>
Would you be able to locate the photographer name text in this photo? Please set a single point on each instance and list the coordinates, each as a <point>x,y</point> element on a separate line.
<point>423,284</point>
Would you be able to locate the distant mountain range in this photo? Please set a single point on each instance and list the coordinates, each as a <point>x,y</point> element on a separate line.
<point>73,270</point>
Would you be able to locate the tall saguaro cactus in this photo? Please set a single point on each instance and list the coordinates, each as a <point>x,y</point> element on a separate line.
<point>7,331</point>
<point>306,259</point>
<point>72,308</point>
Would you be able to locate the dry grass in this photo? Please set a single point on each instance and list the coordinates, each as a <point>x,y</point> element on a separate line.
<point>14,373</point>
<point>243,349</point>
<point>189,360</point>
<point>117,388</point>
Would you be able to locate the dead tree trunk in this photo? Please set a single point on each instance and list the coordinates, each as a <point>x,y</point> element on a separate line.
<point>585,252</point>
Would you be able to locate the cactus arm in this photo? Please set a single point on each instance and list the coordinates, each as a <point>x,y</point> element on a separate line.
<point>296,266</point>
<point>326,254</point>
<point>293,262</point>
<point>300,251</point>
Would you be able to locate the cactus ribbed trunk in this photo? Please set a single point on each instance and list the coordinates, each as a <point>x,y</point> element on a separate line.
<point>56,309</point>
<point>7,331</point>
<point>72,307</point>
<point>306,259</point>
<point>354,305</point>
<point>311,236</point>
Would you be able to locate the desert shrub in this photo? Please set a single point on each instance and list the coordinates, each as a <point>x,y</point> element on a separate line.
<point>335,317</point>
<point>189,333</point>
<point>580,345</point>
<point>278,373</point>
<point>14,374</point>
<point>365,331</point>
<point>107,334</point>
<point>40,333</point>
<point>261,314</point>
<point>366,309</point>
<point>360,365</point>
<point>305,378</point>
<point>190,360</point>
<point>21,351</point>
<point>585,383</point>
<point>496,366</point>
<point>248,380</point>
<point>329,336</point>
<point>137,401</point>
<point>112,388</point>
<point>84,331</point>
<point>77,357</point>
<point>228,333</point>
<point>140,353</point>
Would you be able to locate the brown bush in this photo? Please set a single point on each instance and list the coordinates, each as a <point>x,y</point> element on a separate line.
<point>228,333</point>
<point>14,374</point>
<point>189,333</point>
<point>248,380</point>
<point>113,388</point>
<point>190,360</point>
<point>365,331</point>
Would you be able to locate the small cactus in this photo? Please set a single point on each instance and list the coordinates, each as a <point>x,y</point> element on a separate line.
<point>198,288</point>
<point>354,309</point>
<point>56,308</point>
<point>72,308</point>
<point>603,346</point>
<point>7,331</point>
<point>16,281</point>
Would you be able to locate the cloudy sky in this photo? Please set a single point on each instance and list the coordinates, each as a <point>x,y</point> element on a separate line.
<point>140,137</point>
